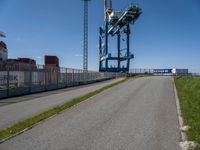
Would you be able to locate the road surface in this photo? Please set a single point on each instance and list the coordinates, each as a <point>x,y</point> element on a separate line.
<point>139,114</point>
<point>21,108</point>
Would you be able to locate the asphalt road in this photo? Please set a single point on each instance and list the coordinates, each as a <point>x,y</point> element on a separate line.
<point>21,108</point>
<point>139,114</point>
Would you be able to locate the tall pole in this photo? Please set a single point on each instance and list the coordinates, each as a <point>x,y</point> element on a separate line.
<point>85,37</point>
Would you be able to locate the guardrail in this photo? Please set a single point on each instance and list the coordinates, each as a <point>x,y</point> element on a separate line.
<point>20,79</point>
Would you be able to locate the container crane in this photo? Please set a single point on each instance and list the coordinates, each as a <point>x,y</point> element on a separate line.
<point>116,24</point>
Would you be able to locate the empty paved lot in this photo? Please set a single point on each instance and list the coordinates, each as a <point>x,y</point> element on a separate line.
<point>139,114</point>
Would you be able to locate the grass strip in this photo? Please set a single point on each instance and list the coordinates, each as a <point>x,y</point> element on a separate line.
<point>28,123</point>
<point>189,94</point>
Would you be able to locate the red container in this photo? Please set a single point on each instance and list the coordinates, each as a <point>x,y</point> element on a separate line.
<point>51,61</point>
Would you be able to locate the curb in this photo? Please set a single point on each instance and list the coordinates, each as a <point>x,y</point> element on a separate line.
<point>26,129</point>
<point>184,144</point>
<point>180,119</point>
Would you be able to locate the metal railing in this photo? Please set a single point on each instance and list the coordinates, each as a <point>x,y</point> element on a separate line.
<point>20,79</point>
<point>141,71</point>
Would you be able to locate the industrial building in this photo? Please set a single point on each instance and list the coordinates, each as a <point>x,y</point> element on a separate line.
<point>20,64</point>
<point>14,64</point>
<point>3,51</point>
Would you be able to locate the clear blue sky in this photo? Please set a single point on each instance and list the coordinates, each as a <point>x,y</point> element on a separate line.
<point>167,34</point>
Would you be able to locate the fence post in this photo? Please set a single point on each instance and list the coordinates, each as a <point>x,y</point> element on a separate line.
<point>45,78</point>
<point>58,71</point>
<point>73,82</point>
<point>66,77</point>
<point>30,77</point>
<point>8,80</point>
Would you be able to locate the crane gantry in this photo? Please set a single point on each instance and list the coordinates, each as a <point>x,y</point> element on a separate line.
<point>116,24</point>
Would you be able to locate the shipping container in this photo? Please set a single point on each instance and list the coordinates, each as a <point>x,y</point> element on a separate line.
<point>51,61</point>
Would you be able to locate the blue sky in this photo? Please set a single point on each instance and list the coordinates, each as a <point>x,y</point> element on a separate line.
<point>167,35</point>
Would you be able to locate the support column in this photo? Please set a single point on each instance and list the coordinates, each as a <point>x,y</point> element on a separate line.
<point>128,47</point>
<point>106,45</point>
<point>119,49</point>
<point>100,49</point>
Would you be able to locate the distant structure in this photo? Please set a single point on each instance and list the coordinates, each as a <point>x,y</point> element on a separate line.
<point>170,72</point>
<point>116,24</point>
<point>180,72</point>
<point>85,36</point>
<point>3,48</point>
<point>51,61</point>
<point>22,64</point>
<point>26,61</point>
<point>3,51</point>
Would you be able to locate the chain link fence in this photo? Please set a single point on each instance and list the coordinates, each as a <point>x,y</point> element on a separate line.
<point>20,79</point>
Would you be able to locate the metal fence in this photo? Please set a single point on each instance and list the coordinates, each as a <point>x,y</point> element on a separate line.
<point>195,74</point>
<point>141,71</point>
<point>162,72</point>
<point>20,79</point>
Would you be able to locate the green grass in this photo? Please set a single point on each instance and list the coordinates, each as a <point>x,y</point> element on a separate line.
<point>38,118</point>
<point>189,94</point>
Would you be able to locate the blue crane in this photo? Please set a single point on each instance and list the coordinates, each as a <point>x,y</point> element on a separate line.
<point>116,24</point>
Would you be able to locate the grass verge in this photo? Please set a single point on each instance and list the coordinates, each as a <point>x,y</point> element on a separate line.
<point>189,94</point>
<point>28,123</point>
